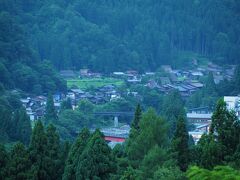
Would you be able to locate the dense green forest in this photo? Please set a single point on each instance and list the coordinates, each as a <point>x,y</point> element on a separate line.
<point>136,34</point>
<point>148,153</point>
<point>20,66</point>
<point>39,38</point>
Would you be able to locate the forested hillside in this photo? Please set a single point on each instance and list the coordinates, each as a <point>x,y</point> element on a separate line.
<point>143,121</point>
<point>127,34</point>
<point>20,65</point>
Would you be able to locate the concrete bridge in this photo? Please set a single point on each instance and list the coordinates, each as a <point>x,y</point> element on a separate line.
<point>114,113</point>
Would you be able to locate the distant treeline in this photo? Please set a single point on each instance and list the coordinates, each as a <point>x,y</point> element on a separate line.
<point>115,35</point>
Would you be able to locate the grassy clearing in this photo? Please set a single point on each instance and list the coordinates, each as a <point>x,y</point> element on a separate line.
<point>86,83</point>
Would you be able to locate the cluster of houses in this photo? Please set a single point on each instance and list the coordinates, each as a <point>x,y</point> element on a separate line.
<point>99,96</point>
<point>35,107</point>
<point>188,81</point>
<point>185,81</point>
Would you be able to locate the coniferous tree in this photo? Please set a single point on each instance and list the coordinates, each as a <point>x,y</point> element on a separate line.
<point>225,127</point>
<point>4,159</point>
<point>210,152</point>
<point>173,107</point>
<point>38,153</point>
<point>19,164</point>
<point>24,129</point>
<point>53,153</point>
<point>6,128</point>
<point>51,114</point>
<point>134,126</point>
<point>65,151</point>
<point>210,87</point>
<point>152,132</point>
<point>180,144</point>
<point>137,117</point>
<point>96,161</point>
<point>74,154</point>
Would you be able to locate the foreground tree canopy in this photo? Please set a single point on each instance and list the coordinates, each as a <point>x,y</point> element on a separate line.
<point>149,152</point>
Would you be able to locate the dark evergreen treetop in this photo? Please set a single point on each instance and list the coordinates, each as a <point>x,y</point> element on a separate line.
<point>20,163</point>
<point>137,117</point>
<point>96,161</point>
<point>180,144</point>
<point>38,152</point>
<point>55,164</point>
<point>152,132</point>
<point>51,114</point>
<point>23,127</point>
<point>225,127</point>
<point>74,155</point>
<point>4,160</point>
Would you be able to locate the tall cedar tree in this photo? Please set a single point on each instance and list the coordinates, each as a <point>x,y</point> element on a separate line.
<point>134,126</point>
<point>210,89</point>
<point>23,126</point>
<point>51,114</point>
<point>55,164</point>
<point>65,151</point>
<point>96,161</point>
<point>19,164</point>
<point>208,152</point>
<point>3,162</point>
<point>74,154</point>
<point>5,121</point>
<point>173,108</point>
<point>152,132</point>
<point>225,127</point>
<point>137,117</point>
<point>180,144</point>
<point>38,153</point>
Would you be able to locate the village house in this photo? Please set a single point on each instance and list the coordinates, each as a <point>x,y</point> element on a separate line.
<point>173,78</point>
<point>67,74</point>
<point>218,78</point>
<point>83,72</point>
<point>167,68</point>
<point>200,110</point>
<point>131,73</point>
<point>152,84</point>
<point>134,79</point>
<point>150,73</point>
<point>195,75</point>
<point>119,74</point>
<point>165,80</point>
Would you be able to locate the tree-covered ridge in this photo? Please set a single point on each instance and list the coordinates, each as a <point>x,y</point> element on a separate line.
<point>20,67</point>
<point>126,34</point>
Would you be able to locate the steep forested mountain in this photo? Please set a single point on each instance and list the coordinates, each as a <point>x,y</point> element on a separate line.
<point>126,34</point>
<point>20,66</point>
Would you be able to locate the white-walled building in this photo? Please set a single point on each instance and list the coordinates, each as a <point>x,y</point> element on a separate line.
<point>233,103</point>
